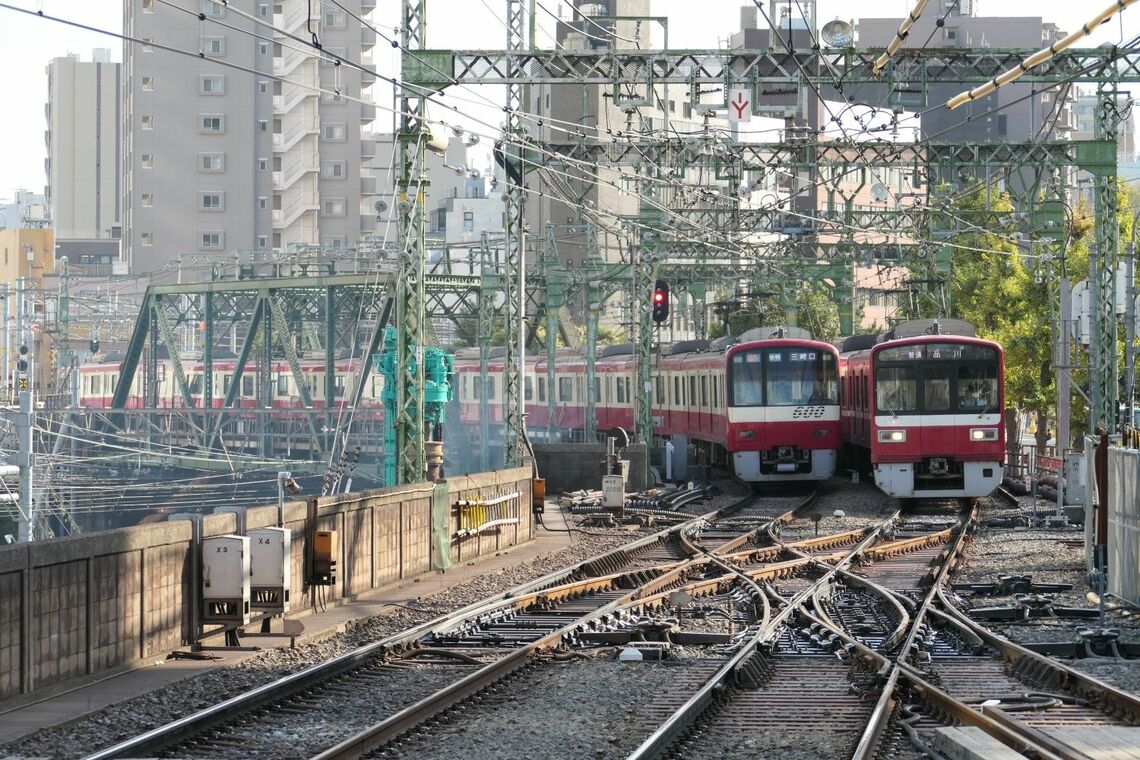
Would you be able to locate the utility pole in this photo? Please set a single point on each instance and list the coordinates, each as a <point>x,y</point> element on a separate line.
<point>7,385</point>
<point>1130,334</point>
<point>25,460</point>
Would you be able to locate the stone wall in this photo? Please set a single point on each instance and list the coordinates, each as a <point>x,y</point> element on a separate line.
<point>76,606</point>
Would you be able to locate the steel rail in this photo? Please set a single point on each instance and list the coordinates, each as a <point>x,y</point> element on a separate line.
<point>686,715</point>
<point>647,594</point>
<point>202,720</point>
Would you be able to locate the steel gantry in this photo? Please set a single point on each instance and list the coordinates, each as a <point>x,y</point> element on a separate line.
<point>830,240</point>
<point>411,185</point>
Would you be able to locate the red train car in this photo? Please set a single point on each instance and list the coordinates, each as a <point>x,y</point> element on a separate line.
<point>922,408</point>
<point>766,407</point>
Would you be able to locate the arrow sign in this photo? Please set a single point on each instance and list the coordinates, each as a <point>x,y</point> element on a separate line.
<point>739,105</point>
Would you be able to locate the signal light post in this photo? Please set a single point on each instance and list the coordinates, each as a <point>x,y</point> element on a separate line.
<point>660,301</point>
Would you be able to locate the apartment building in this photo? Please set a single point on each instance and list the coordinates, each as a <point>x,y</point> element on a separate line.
<point>221,161</point>
<point>84,146</point>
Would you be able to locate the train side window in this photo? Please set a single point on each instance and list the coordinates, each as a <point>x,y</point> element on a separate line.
<point>247,385</point>
<point>226,382</point>
<point>476,390</point>
<point>704,390</point>
<point>542,389</point>
<point>621,390</point>
<point>491,383</point>
<point>597,390</point>
<point>96,384</point>
<point>528,391</point>
<point>676,391</point>
<point>565,388</point>
<point>283,384</point>
<point>659,390</point>
<point>692,391</point>
<point>195,384</point>
<point>580,394</point>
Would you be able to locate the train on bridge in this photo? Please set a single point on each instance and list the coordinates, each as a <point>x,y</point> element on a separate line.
<point>920,407</point>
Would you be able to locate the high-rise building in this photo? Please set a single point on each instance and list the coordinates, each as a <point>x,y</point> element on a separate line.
<point>84,144</point>
<point>1022,116</point>
<point>221,160</point>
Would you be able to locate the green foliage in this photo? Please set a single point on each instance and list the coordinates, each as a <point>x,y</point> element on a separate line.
<point>812,309</point>
<point>1004,291</point>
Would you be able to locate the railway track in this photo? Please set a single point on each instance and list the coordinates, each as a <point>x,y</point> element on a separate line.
<point>467,649</point>
<point>841,645</point>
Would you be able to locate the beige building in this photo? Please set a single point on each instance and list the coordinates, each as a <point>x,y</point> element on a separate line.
<point>220,161</point>
<point>84,138</point>
<point>26,255</point>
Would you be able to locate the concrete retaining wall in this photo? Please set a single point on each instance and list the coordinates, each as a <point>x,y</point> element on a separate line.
<point>574,466</point>
<point>77,606</point>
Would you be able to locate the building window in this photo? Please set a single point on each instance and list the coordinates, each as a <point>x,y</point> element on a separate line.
<point>332,97</point>
<point>263,125</point>
<point>148,122</point>
<point>211,201</point>
<point>468,221</point>
<point>213,85</point>
<point>147,238</point>
<point>333,132</point>
<point>263,202</point>
<point>262,164</point>
<point>146,46</point>
<point>147,160</point>
<point>215,46</point>
<point>262,241</point>
<point>333,169</point>
<point>148,83</point>
<point>212,125</point>
<point>333,207</point>
<point>147,200</point>
<point>263,9</point>
<point>335,20</point>
<point>212,163</point>
<point>263,48</point>
<point>148,6</point>
<point>213,9</point>
<point>263,87</point>
<point>212,240</point>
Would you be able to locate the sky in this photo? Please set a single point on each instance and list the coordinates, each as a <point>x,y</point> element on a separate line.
<point>28,43</point>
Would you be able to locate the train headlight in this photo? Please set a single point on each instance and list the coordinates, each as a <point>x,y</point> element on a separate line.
<point>892,436</point>
<point>820,432</point>
<point>983,434</point>
<point>746,434</point>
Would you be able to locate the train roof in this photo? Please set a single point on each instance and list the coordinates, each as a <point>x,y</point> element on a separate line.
<point>921,327</point>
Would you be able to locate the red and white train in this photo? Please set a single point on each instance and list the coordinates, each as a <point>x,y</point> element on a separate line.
<point>923,408</point>
<point>97,382</point>
<point>767,407</point>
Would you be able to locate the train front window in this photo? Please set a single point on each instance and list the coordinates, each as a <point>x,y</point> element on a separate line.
<point>896,390</point>
<point>797,376</point>
<point>747,378</point>
<point>977,387</point>
<point>936,389</point>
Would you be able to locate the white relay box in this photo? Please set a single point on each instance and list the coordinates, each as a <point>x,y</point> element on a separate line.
<point>271,568</point>
<point>226,580</point>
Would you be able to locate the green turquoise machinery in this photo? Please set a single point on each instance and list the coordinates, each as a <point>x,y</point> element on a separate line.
<point>439,367</point>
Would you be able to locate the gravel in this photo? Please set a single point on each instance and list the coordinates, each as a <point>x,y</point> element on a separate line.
<point>774,745</point>
<point>1047,556</point>
<point>156,708</point>
<point>862,503</point>
<point>575,709</point>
